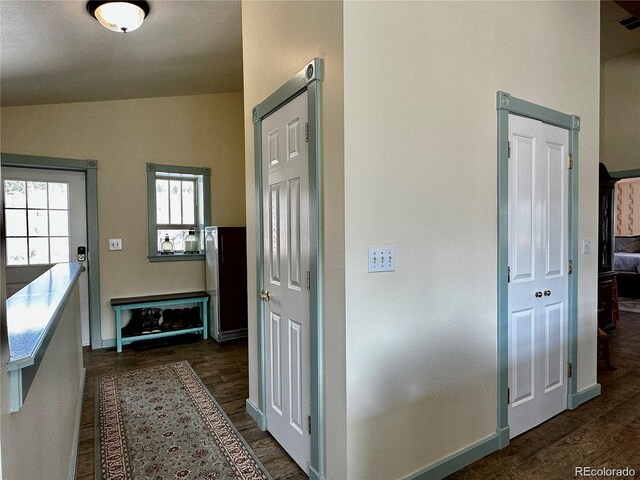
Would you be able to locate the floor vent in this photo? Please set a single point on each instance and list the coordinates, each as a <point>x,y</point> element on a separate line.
<point>630,23</point>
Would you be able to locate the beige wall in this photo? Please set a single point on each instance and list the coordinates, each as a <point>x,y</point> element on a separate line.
<point>198,131</point>
<point>38,440</point>
<point>420,174</point>
<point>279,38</point>
<point>621,104</point>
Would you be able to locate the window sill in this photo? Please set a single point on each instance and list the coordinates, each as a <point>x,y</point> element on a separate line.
<point>176,257</point>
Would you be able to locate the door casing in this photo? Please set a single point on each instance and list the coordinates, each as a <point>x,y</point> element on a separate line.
<point>505,105</point>
<point>309,79</point>
<point>90,168</point>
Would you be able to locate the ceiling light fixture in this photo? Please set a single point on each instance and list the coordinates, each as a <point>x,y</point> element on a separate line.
<point>119,16</point>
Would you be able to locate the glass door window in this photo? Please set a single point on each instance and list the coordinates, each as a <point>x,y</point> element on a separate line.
<point>36,222</point>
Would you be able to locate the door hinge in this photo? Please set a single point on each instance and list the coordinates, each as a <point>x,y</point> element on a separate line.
<point>306,132</point>
<point>570,161</point>
<point>508,274</point>
<point>508,149</point>
<point>508,396</point>
<point>308,280</point>
<point>570,266</point>
<point>309,421</point>
<point>569,370</point>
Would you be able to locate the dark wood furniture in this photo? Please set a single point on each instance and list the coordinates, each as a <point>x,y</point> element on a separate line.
<point>628,284</point>
<point>605,221</point>
<point>608,314</point>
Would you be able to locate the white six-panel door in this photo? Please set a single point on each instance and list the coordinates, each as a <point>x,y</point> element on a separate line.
<point>286,254</point>
<point>538,264</point>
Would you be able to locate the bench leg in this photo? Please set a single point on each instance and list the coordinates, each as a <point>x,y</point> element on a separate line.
<point>204,307</point>
<point>118,330</point>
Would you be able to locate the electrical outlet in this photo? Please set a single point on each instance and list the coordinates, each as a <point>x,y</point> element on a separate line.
<point>115,244</point>
<point>586,246</point>
<point>382,259</point>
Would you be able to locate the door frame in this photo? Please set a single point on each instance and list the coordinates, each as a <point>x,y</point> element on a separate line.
<point>309,79</point>
<point>506,105</point>
<point>90,169</point>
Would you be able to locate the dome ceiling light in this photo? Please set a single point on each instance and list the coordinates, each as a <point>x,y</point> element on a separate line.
<point>119,16</point>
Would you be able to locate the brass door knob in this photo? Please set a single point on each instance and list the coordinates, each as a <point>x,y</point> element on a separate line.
<point>265,295</point>
<point>538,294</point>
<point>547,293</point>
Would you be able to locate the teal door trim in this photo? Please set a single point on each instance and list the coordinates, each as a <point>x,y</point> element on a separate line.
<point>90,169</point>
<point>506,105</point>
<point>309,79</point>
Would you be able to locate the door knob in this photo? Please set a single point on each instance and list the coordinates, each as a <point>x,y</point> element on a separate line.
<point>265,295</point>
<point>538,294</point>
<point>547,293</point>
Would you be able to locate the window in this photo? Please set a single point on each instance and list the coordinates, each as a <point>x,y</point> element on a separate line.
<point>179,199</point>
<point>176,206</point>
<point>36,222</point>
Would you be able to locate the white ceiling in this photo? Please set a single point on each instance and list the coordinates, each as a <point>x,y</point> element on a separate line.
<point>55,52</point>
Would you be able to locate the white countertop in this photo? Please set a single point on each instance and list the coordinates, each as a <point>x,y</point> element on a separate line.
<point>32,313</point>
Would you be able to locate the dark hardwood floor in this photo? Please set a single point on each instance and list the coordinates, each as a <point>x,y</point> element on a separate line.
<point>604,432</point>
<point>222,368</point>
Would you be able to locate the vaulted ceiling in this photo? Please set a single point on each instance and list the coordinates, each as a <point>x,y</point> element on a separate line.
<point>616,40</point>
<point>55,52</point>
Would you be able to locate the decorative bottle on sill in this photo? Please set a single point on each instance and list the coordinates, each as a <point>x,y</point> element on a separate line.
<point>166,247</point>
<point>192,242</point>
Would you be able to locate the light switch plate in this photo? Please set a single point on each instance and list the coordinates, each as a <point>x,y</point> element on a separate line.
<point>382,259</point>
<point>586,246</point>
<point>115,244</point>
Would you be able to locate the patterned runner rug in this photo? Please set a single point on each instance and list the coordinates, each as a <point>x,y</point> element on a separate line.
<point>162,423</point>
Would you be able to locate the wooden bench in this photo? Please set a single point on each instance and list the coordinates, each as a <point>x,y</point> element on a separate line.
<point>149,301</point>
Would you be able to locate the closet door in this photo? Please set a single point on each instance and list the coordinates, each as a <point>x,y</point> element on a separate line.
<point>287,295</point>
<point>538,264</point>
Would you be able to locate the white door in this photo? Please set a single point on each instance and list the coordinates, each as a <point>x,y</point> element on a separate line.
<point>538,264</point>
<point>46,221</point>
<point>286,255</point>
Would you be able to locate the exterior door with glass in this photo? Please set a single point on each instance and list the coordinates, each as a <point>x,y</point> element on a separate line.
<point>45,223</point>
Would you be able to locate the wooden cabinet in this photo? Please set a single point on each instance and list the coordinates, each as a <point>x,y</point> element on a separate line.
<point>608,313</point>
<point>605,221</point>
